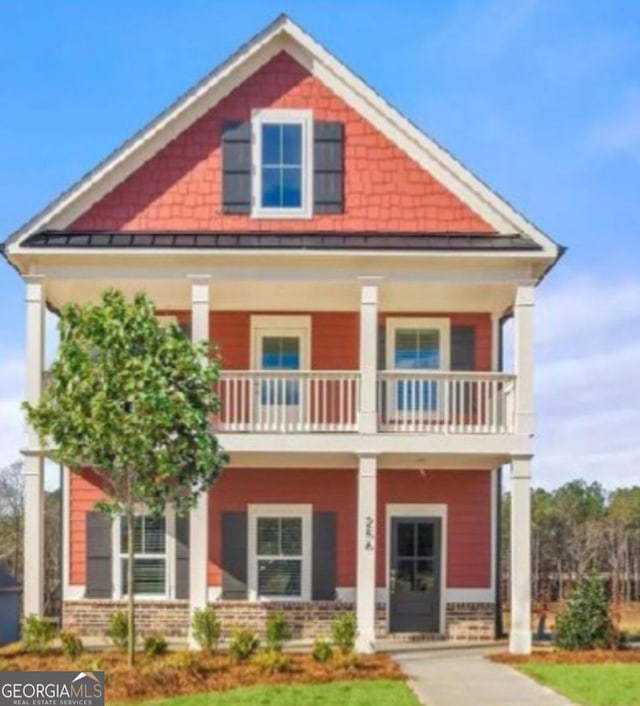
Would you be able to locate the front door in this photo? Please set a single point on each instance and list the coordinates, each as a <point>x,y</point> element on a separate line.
<point>279,399</point>
<point>414,581</point>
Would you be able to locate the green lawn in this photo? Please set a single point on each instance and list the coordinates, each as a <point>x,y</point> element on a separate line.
<point>352,693</point>
<point>591,684</point>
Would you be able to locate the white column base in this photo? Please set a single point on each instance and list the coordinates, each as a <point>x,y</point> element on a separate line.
<point>520,632</point>
<point>520,642</point>
<point>198,556</point>
<point>33,590</point>
<point>366,553</point>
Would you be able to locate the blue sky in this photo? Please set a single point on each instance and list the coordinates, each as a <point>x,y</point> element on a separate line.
<point>540,98</point>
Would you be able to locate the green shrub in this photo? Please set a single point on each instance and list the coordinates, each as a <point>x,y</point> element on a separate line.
<point>585,623</point>
<point>155,645</point>
<point>350,662</point>
<point>6,665</point>
<point>344,631</point>
<point>187,660</point>
<point>72,645</point>
<point>206,629</point>
<point>322,651</point>
<point>37,634</point>
<point>118,630</point>
<point>272,661</point>
<point>243,645</point>
<point>87,663</point>
<point>277,631</point>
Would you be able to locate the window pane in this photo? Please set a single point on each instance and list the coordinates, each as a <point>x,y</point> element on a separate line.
<point>271,144</point>
<point>292,187</point>
<point>280,577</point>
<point>291,538</point>
<point>404,576</point>
<point>406,539</point>
<point>271,187</point>
<point>292,144</point>
<point>425,579</point>
<point>149,576</point>
<point>154,535</point>
<point>268,536</point>
<point>425,539</point>
<point>138,540</point>
<point>417,349</point>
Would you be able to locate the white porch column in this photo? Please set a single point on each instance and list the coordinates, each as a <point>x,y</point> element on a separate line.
<point>366,552</point>
<point>524,344</point>
<point>199,517</point>
<point>520,633</point>
<point>33,597</point>
<point>368,414</point>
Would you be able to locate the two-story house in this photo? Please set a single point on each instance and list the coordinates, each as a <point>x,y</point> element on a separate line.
<point>356,278</point>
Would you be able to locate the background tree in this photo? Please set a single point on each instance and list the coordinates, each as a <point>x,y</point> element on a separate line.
<point>133,400</point>
<point>11,534</point>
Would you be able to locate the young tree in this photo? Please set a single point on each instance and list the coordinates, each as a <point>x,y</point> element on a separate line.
<point>133,400</point>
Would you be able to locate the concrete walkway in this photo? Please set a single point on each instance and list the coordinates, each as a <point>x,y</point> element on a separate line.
<point>466,678</point>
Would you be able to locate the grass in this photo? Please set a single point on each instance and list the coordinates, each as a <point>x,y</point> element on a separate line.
<point>590,684</point>
<point>352,693</point>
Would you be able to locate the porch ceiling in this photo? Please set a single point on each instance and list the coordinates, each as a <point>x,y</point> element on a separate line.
<point>172,294</point>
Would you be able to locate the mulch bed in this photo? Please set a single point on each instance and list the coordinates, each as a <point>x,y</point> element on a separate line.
<point>564,657</point>
<point>179,673</point>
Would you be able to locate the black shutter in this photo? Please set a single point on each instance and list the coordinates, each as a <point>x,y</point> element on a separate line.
<point>463,348</point>
<point>328,167</point>
<point>324,556</point>
<point>236,167</point>
<point>182,557</point>
<point>99,556</point>
<point>463,357</point>
<point>234,556</point>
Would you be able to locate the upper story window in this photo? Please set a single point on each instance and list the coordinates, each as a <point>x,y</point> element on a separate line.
<point>282,163</point>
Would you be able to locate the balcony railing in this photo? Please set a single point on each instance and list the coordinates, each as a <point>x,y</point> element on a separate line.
<point>296,401</point>
<point>408,401</point>
<point>445,402</point>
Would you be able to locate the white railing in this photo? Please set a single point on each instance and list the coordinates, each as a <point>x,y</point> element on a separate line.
<point>282,401</point>
<point>445,402</point>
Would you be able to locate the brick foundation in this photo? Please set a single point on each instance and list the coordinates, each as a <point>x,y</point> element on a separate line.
<point>470,621</point>
<point>90,617</point>
<point>307,620</point>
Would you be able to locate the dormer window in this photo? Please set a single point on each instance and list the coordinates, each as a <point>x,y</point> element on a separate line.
<point>282,163</point>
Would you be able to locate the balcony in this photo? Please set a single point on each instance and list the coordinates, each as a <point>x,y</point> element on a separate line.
<point>427,402</point>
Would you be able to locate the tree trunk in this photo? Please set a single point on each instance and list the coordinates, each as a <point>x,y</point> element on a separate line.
<point>130,585</point>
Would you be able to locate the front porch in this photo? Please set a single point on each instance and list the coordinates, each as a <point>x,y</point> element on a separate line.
<point>369,419</point>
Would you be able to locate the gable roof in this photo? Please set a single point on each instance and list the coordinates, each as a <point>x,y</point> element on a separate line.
<point>282,34</point>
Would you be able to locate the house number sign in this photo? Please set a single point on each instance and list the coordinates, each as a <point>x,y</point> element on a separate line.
<point>369,533</point>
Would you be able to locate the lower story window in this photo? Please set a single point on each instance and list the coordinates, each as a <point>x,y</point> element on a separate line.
<point>280,540</point>
<point>150,558</point>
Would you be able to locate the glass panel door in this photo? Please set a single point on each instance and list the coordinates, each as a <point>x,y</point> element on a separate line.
<point>279,398</point>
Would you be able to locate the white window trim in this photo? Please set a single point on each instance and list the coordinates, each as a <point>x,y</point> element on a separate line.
<point>304,511</point>
<point>264,116</point>
<point>281,326</point>
<point>441,324</point>
<point>169,555</point>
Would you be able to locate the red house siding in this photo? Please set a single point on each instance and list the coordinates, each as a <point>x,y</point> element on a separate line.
<point>328,489</point>
<point>180,187</point>
<point>84,492</point>
<point>467,495</point>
